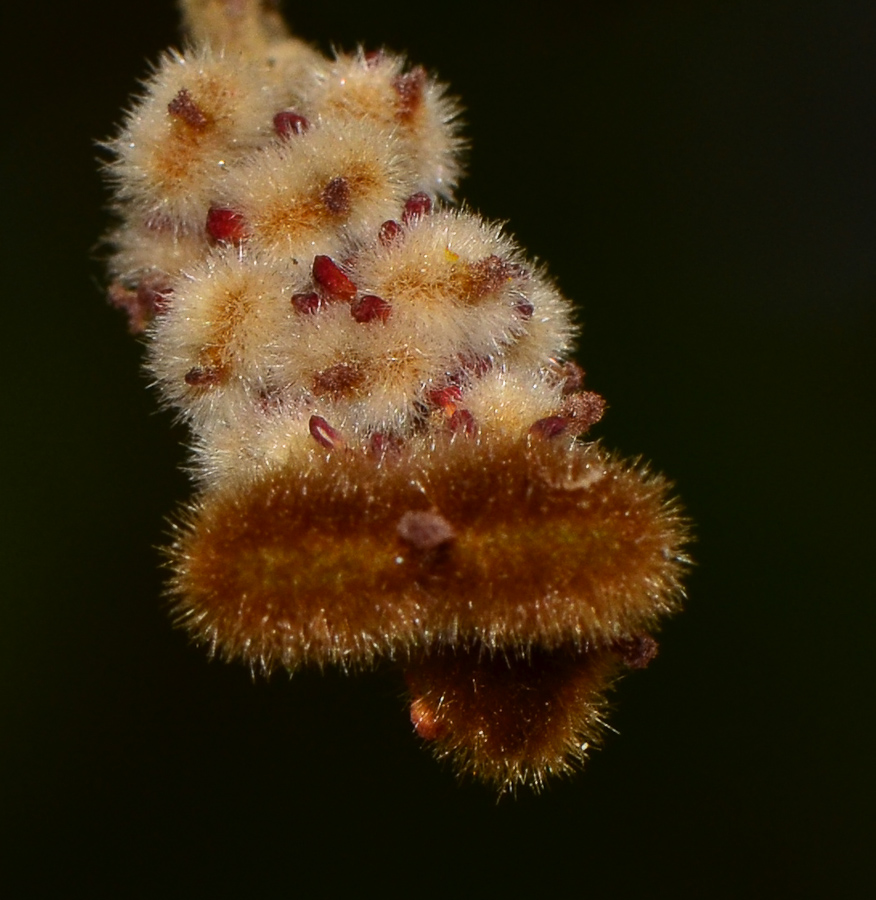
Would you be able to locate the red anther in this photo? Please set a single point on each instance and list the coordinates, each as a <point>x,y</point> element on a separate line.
<point>445,398</point>
<point>334,283</point>
<point>572,377</point>
<point>336,196</point>
<point>373,58</point>
<point>184,108</point>
<point>389,231</point>
<point>417,205</point>
<point>324,434</point>
<point>288,123</point>
<point>462,421</point>
<point>306,302</point>
<point>370,307</point>
<point>225,225</point>
<point>203,376</point>
<point>427,725</point>
<point>409,88</point>
<point>524,309</point>
<point>550,427</point>
<point>425,529</point>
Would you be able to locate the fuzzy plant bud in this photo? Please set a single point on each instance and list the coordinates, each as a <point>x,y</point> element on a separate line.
<point>386,425</point>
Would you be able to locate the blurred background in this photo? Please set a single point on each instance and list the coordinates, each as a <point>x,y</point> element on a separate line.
<point>700,178</point>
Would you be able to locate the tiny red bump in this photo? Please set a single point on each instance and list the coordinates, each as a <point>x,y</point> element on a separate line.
<point>427,725</point>
<point>416,206</point>
<point>225,225</point>
<point>324,434</point>
<point>288,123</point>
<point>524,309</point>
<point>202,377</point>
<point>184,108</point>
<point>334,283</point>
<point>373,58</point>
<point>336,196</point>
<point>370,307</point>
<point>389,231</point>
<point>425,529</point>
<point>445,398</point>
<point>550,426</point>
<point>306,302</point>
<point>409,88</point>
<point>462,421</point>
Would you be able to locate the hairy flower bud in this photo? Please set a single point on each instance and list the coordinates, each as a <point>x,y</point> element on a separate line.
<point>385,422</point>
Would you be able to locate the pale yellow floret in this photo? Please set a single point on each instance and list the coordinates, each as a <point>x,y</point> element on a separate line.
<point>170,164</point>
<point>284,192</point>
<point>507,403</point>
<point>457,286</point>
<point>215,352</point>
<point>381,90</point>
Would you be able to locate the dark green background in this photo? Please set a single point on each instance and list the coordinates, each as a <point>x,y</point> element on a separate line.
<point>701,178</point>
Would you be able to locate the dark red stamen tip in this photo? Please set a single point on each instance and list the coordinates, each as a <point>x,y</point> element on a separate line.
<point>288,123</point>
<point>307,302</point>
<point>389,231</point>
<point>370,307</point>
<point>184,108</point>
<point>445,398</point>
<point>416,206</point>
<point>225,225</point>
<point>324,434</point>
<point>426,723</point>
<point>550,427</point>
<point>373,58</point>
<point>334,283</point>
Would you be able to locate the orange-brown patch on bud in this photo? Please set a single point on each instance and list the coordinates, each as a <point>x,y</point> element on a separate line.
<point>309,213</point>
<point>510,720</point>
<point>339,380</point>
<point>486,276</point>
